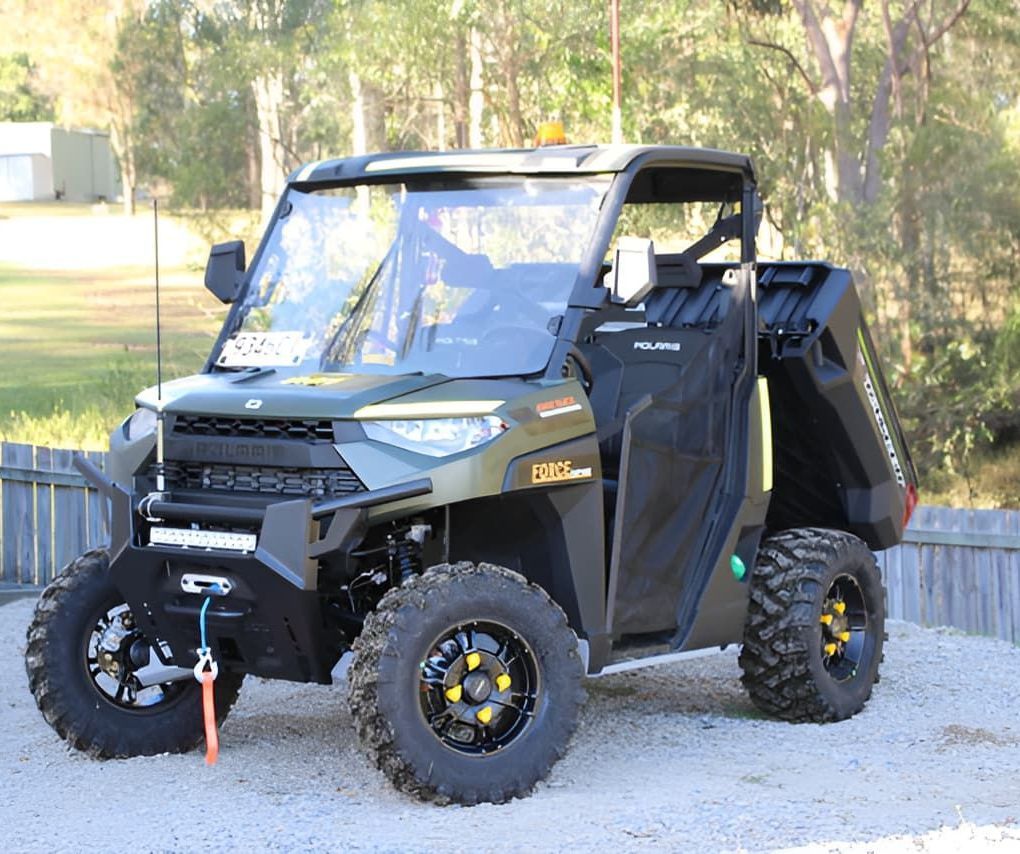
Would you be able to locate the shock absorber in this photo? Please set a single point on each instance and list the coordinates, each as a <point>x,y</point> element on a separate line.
<point>405,554</point>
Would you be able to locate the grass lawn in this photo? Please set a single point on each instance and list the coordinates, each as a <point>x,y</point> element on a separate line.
<point>76,347</point>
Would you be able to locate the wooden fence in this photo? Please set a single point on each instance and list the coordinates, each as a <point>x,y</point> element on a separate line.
<point>955,568</point>
<point>48,515</point>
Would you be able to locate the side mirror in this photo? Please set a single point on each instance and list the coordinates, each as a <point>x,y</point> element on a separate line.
<point>224,271</point>
<point>633,276</point>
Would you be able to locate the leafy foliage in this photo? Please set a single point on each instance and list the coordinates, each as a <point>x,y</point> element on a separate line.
<point>930,114</point>
<point>20,100</point>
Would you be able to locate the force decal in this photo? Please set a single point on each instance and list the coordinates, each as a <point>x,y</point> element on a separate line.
<point>558,471</point>
<point>559,406</point>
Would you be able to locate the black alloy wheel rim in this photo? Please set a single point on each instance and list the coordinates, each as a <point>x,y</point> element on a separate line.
<point>118,685</point>
<point>845,628</point>
<point>479,688</point>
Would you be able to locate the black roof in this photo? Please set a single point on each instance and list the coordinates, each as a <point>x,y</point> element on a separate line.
<point>552,160</point>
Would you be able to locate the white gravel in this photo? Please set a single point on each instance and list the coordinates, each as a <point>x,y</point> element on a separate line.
<point>674,758</point>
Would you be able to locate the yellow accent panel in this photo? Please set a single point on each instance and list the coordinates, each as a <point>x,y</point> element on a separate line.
<point>830,649</point>
<point>473,660</point>
<point>502,681</point>
<point>435,409</point>
<point>484,714</point>
<point>453,694</point>
<point>318,379</point>
<point>826,619</point>
<point>839,607</point>
<point>844,636</point>
<point>766,434</point>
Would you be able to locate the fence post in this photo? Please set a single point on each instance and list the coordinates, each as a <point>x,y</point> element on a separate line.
<point>18,552</point>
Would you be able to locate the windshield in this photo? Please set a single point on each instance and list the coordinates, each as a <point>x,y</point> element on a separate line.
<point>456,277</point>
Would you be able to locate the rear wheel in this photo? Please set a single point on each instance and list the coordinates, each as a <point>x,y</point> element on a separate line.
<point>97,682</point>
<point>466,685</point>
<point>815,626</point>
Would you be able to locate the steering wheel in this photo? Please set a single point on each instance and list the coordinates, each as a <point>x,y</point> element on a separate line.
<point>536,316</point>
<point>379,338</point>
<point>583,366</point>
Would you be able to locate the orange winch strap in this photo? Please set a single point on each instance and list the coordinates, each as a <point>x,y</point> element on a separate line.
<point>212,739</point>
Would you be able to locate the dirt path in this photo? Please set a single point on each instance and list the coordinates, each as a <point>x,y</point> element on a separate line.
<point>668,759</point>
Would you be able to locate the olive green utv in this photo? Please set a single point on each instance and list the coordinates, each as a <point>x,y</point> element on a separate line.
<point>492,422</point>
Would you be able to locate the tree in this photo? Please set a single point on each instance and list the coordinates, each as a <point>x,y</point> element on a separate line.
<point>20,101</point>
<point>909,38</point>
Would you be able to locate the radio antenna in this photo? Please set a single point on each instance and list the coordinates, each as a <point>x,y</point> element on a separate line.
<point>160,466</point>
<point>159,342</point>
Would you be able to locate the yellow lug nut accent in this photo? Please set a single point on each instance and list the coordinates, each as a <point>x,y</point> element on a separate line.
<point>473,660</point>
<point>826,619</point>
<point>502,682</point>
<point>484,714</point>
<point>830,649</point>
<point>839,607</point>
<point>844,636</point>
<point>454,694</point>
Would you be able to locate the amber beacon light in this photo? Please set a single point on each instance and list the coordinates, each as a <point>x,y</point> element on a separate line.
<point>550,133</point>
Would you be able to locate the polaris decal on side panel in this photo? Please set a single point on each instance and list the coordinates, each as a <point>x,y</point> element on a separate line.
<point>883,429</point>
<point>673,346</point>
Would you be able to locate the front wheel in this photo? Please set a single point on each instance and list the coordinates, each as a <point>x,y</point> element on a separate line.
<point>466,685</point>
<point>95,679</point>
<point>815,626</point>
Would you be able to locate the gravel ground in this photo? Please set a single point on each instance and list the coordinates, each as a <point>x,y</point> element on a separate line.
<point>673,758</point>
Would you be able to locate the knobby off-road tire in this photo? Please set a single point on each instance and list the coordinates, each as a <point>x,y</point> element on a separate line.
<point>425,630</point>
<point>799,576</point>
<point>70,700</point>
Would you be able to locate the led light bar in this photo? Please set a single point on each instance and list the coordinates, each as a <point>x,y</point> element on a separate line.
<point>187,538</point>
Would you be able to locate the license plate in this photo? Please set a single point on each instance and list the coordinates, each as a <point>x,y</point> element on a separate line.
<point>188,538</point>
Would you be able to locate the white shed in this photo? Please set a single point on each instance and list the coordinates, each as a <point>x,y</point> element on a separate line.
<point>40,161</point>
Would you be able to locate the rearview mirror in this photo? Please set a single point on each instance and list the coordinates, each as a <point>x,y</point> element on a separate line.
<point>633,275</point>
<point>224,271</point>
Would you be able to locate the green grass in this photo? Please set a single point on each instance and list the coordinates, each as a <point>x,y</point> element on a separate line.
<point>21,209</point>
<point>77,347</point>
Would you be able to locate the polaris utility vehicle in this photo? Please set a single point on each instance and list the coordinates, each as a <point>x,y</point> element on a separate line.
<point>492,421</point>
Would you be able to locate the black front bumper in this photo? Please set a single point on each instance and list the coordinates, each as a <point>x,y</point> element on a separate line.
<point>273,622</point>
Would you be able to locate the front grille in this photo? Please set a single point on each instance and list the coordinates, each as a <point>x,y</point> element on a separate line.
<point>293,429</point>
<point>260,480</point>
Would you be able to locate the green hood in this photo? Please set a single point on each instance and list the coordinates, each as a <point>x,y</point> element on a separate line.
<point>269,394</point>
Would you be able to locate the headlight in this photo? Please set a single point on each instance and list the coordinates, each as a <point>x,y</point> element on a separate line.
<point>142,423</point>
<point>437,437</point>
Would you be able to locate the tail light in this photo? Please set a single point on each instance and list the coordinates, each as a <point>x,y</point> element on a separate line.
<point>908,511</point>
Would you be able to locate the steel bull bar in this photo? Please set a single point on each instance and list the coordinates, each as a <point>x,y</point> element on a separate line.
<point>271,623</point>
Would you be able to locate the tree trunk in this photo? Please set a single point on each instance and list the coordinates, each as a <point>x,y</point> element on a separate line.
<point>120,141</point>
<point>253,172</point>
<point>831,41</point>
<point>461,92</point>
<point>515,121</point>
<point>476,104</point>
<point>439,99</point>
<point>909,222</point>
<point>368,118</point>
<point>268,88</point>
